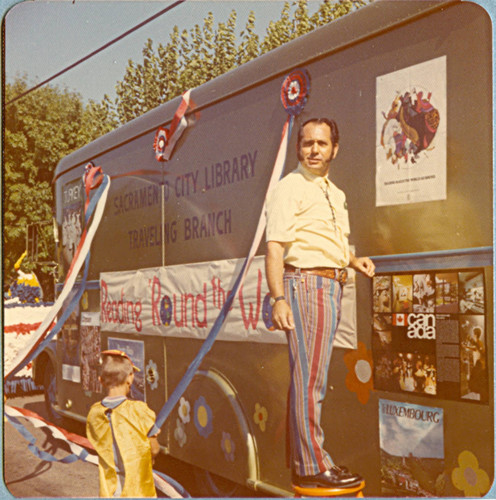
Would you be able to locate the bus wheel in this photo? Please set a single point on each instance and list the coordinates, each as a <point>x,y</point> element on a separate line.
<point>50,391</point>
<point>215,486</point>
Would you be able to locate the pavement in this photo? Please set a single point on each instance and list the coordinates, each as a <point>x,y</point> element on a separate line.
<point>26,476</point>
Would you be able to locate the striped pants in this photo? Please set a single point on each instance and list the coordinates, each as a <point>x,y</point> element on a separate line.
<point>316,306</point>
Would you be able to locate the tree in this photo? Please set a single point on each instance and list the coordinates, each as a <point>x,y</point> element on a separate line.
<point>249,47</point>
<point>278,32</point>
<point>225,46</point>
<point>98,118</point>
<point>39,130</point>
<point>329,10</point>
<point>301,23</point>
<point>194,57</point>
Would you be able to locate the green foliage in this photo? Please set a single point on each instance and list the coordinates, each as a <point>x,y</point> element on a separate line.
<point>248,48</point>
<point>330,10</point>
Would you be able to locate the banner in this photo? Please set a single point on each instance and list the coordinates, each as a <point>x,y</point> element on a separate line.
<point>185,300</point>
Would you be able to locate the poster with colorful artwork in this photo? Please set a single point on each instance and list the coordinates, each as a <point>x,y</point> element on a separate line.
<point>135,349</point>
<point>411,134</point>
<point>428,334</point>
<point>412,449</point>
<point>90,351</point>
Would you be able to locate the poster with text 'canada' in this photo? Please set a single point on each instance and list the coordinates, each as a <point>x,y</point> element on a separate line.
<point>429,334</point>
<point>411,134</point>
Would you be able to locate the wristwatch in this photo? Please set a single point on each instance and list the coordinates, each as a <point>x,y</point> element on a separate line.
<point>272,301</point>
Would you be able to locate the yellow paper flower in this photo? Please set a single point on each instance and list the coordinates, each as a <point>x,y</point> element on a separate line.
<point>474,482</point>
<point>85,301</point>
<point>260,416</point>
<point>360,368</point>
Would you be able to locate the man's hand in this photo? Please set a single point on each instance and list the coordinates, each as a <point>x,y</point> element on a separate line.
<point>364,265</point>
<point>282,316</point>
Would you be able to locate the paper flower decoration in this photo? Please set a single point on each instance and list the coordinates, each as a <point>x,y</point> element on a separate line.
<point>360,368</point>
<point>180,433</point>
<point>260,416</point>
<point>294,91</point>
<point>152,374</point>
<point>85,301</point>
<point>184,410</point>
<point>228,446</point>
<point>160,143</point>
<point>474,482</point>
<point>203,417</point>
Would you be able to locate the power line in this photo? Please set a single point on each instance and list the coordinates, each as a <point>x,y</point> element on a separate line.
<point>103,47</point>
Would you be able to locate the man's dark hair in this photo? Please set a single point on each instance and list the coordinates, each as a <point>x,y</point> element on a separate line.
<point>330,123</point>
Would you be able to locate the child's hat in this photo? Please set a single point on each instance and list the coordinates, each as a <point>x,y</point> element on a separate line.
<point>117,352</point>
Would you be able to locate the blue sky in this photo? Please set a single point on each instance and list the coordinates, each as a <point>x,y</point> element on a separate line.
<point>43,37</point>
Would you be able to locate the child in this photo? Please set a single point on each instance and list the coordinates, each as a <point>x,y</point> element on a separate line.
<point>123,432</point>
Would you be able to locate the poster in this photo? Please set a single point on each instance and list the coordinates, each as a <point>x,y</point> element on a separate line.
<point>428,334</point>
<point>135,349</point>
<point>411,448</point>
<point>71,369</point>
<point>90,351</point>
<point>411,134</point>
<point>72,222</point>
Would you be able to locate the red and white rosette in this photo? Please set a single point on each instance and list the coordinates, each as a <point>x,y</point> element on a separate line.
<point>160,143</point>
<point>294,91</point>
<point>166,138</point>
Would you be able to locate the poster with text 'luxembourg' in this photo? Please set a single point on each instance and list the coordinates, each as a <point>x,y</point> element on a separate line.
<point>412,449</point>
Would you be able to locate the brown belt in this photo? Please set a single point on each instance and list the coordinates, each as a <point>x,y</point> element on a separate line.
<point>333,273</point>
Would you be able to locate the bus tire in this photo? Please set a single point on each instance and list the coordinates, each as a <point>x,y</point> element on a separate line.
<point>216,486</point>
<point>50,393</point>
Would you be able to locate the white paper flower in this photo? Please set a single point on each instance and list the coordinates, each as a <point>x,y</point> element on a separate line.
<point>184,410</point>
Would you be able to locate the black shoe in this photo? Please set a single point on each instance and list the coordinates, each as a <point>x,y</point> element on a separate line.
<point>336,477</point>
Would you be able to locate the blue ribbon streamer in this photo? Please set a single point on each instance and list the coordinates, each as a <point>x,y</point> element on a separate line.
<point>41,454</point>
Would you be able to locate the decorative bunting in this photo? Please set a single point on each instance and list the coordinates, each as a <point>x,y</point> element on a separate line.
<point>166,138</point>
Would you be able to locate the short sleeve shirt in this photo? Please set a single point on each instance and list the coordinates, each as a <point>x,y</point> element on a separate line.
<point>314,229</point>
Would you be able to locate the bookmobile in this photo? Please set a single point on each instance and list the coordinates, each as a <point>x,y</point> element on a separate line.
<point>410,397</point>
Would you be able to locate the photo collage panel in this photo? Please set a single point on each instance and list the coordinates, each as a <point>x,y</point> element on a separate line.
<point>429,334</point>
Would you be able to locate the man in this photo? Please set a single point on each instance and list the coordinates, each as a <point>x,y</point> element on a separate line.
<point>307,253</point>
